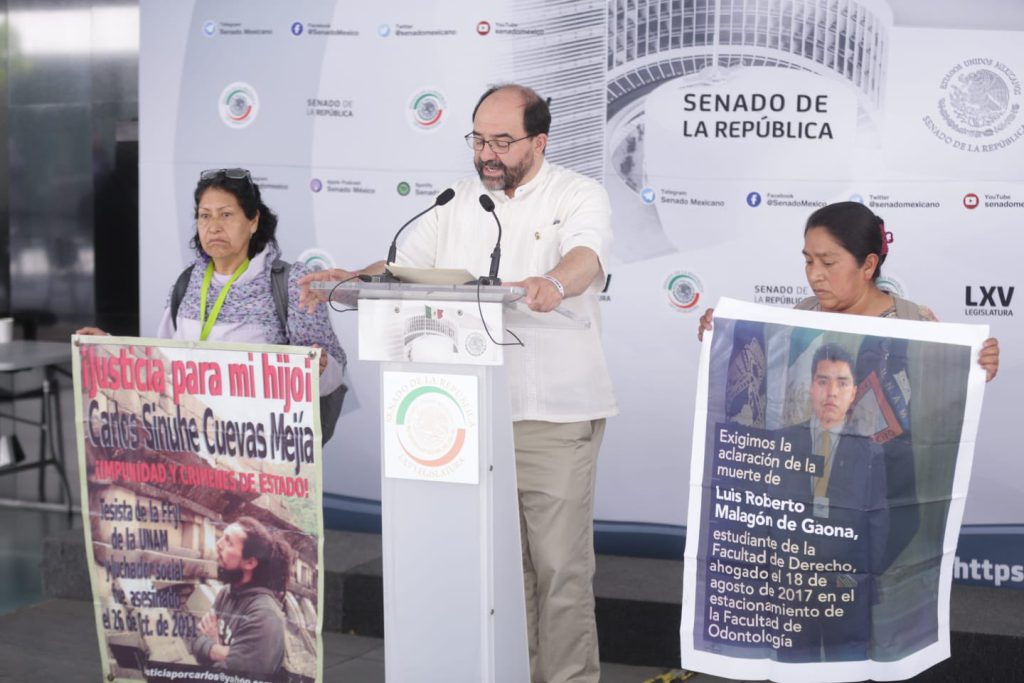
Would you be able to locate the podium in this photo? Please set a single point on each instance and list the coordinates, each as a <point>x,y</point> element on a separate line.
<point>453,583</point>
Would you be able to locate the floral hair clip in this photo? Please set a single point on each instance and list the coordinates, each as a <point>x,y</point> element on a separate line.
<point>886,238</point>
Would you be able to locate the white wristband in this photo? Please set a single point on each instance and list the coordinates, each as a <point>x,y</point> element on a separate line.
<point>558,285</point>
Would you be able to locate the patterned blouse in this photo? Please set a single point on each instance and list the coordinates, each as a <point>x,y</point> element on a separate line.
<point>249,313</point>
<point>925,313</point>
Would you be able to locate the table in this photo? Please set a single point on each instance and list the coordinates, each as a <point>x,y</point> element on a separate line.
<point>50,357</point>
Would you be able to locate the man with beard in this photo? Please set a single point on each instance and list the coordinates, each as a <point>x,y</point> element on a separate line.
<point>245,629</point>
<point>557,233</point>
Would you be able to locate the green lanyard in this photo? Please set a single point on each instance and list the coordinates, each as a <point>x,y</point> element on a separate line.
<point>207,278</point>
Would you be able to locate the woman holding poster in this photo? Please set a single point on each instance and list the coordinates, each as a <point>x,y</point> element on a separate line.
<point>874,500</point>
<point>845,245</point>
<point>239,290</point>
<point>201,465</point>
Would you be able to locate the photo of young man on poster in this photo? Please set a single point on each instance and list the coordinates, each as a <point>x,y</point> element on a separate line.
<point>245,629</point>
<point>848,490</point>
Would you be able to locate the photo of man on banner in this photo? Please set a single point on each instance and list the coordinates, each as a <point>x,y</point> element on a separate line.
<point>848,487</point>
<point>245,629</point>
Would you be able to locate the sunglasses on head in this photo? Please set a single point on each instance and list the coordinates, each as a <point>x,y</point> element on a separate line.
<point>233,173</point>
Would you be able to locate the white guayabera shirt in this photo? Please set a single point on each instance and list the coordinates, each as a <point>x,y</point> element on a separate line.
<point>559,375</point>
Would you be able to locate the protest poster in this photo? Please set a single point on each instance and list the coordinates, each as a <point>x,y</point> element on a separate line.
<point>201,502</point>
<point>831,458</point>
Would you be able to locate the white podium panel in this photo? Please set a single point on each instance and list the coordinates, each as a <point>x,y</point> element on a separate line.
<point>454,605</point>
<point>454,608</point>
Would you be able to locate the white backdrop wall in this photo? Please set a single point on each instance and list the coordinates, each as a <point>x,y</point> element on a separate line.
<point>717,127</point>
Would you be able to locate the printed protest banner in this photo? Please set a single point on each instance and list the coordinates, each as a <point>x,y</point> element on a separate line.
<point>831,457</point>
<point>201,502</point>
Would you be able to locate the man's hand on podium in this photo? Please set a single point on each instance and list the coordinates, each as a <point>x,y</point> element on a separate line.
<point>310,298</point>
<point>541,294</point>
<point>575,273</point>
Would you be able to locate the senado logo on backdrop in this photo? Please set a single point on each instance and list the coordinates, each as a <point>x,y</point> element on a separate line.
<point>239,105</point>
<point>316,259</point>
<point>426,109</point>
<point>979,106</point>
<point>988,300</point>
<point>684,291</point>
<point>431,427</point>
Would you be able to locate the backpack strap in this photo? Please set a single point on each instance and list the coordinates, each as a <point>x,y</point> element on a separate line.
<point>279,288</point>
<point>330,405</point>
<point>178,293</point>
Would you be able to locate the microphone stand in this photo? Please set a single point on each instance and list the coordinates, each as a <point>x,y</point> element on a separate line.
<point>492,277</point>
<point>387,276</point>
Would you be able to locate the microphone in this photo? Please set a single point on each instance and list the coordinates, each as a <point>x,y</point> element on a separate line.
<point>492,278</point>
<point>387,276</point>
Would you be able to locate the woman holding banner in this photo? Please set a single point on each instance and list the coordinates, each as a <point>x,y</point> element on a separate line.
<point>239,290</point>
<point>845,245</point>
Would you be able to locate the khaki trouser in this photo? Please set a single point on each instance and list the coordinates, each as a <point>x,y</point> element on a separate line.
<point>556,464</point>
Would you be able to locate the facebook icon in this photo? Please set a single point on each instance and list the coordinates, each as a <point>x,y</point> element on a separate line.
<point>754,199</point>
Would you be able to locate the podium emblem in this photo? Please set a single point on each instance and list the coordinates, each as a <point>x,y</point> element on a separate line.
<point>430,427</point>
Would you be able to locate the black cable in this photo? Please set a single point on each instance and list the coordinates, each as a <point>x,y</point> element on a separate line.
<point>517,342</point>
<point>330,297</point>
